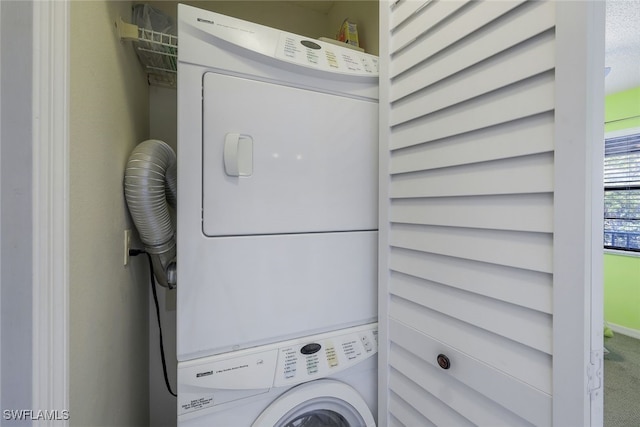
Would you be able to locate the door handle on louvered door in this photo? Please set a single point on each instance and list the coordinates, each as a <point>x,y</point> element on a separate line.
<point>444,361</point>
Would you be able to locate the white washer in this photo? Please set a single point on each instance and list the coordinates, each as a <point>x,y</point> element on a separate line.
<point>324,380</point>
<point>277,185</point>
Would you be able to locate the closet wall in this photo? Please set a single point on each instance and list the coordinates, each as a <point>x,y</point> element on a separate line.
<point>310,18</point>
<point>109,115</point>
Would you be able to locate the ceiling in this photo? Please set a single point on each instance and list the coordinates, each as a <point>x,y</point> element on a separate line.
<point>622,45</point>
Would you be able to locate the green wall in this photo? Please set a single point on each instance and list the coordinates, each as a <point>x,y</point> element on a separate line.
<point>622,272</point>
<point>622,290</point>
<point>622,110</point>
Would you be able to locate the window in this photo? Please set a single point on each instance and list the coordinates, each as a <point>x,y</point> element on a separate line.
<point>622,191</point>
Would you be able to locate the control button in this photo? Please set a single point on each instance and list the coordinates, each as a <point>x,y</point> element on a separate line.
<point>310,348</point>
<point>332,356</point>
<point>312,364</point>
<point>289,373</point>
<point>375,63</point>
<point>366,64</point>
<point>349,349</point>
<point>290,48</point>
<point>331,59</point>
<point>312,57</point>
<point>366,342</point>
<point>290,362</point>
<point>310,44</point>
<point>352,64</point>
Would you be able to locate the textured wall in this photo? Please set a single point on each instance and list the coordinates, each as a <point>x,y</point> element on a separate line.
<point>108,302</point>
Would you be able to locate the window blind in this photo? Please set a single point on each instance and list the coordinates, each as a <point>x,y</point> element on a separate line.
<point>622,192</point>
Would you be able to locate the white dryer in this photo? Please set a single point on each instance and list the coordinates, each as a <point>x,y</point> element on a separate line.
<point>277,185</point>
<point>327,380</point>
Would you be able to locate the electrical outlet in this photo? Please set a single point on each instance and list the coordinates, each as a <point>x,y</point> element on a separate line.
<point>127,245</point>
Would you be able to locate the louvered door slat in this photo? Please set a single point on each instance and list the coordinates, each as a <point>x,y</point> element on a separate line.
<point>476,179</point>
<point>528,403</point>
<point>506,212</point>
<point>491,315</point>
<point>531,135</point>
<point>531,251</point>
<point>406,415</point>
<point>460,401</point>
<point>428,405</point>
<point>469,18</point>
<point>510,67</point>
<point>526,288</point>
<point>425,21</point>
<point>484,345</point>
<point>527,98</point>
<point>405,9</point>
<point>521,24</point>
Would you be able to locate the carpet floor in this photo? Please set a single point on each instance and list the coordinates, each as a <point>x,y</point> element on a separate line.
<point>622,382</point>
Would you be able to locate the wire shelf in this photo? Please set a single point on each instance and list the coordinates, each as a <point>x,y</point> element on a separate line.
<point>158,53</point>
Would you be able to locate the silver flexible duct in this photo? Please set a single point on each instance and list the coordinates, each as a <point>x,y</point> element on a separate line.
<point>150,187</point>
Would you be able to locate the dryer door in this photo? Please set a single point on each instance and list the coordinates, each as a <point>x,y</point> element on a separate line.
<point>321,403</point>
<point>278,159</point>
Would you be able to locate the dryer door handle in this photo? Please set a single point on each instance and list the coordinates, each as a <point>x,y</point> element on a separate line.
<point>238,155</point>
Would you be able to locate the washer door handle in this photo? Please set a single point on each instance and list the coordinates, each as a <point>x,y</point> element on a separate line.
<point>238,154</point>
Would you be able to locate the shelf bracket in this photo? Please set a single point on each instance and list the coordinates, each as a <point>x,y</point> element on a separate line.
<point>127,31</point>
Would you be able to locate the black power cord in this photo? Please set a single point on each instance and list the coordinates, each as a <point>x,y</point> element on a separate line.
<point>136,252</point>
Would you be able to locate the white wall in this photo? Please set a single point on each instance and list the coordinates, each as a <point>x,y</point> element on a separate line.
<point>15,207</point>
<point>108,302</point>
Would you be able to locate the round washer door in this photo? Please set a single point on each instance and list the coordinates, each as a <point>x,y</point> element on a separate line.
<point>320,403</point>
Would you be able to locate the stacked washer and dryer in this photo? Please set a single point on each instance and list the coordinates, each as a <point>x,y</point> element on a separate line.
<point>277,227</point>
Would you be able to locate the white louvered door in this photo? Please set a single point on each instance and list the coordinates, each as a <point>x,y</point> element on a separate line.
<point>491,120</point>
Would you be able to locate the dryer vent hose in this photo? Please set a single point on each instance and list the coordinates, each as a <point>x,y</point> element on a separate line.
<point>150,187</point>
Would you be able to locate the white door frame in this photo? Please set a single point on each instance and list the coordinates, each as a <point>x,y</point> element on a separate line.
<point>1,406</point>
<point>50,123</point>
<point>577,283</point>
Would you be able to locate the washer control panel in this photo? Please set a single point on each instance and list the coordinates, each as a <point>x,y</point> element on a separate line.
<point>306,361</point>
<point>211,382</point>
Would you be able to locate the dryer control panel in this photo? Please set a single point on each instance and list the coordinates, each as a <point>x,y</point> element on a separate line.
<point>303,362</point>
<point>271,42</point>
<point>322,55</point>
